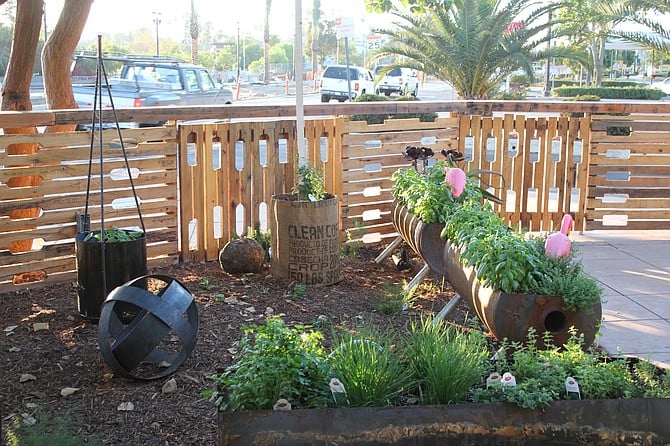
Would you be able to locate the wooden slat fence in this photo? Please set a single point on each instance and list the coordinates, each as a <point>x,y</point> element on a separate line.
<point>230,171</point>
<point>629,182</point>
<point>43,182</point>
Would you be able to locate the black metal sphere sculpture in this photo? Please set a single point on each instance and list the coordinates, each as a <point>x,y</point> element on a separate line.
<point>147,335</point>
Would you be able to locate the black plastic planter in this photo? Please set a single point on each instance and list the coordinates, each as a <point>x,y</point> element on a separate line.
<point>563,423</point>
<point>124,260</point>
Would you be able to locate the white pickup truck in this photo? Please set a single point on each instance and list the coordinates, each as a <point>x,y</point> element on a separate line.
<point>335,85</point>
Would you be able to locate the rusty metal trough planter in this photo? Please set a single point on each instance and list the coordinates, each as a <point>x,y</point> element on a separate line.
<point>505,315</point>
<point>587,422</point>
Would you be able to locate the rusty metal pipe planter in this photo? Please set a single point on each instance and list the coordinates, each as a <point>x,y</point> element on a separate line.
<point>505,315</point>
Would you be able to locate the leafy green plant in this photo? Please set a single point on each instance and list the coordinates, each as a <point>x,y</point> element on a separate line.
<point>206,283</point>
<point>311,183</point>
<point>395,298</point>
<point>274,361</point>
<point>354,243</point>
<point>114,235</point>
<point>299,291</point>
<point>371,369</point>
<point>262,237</point>
<point>445,361</point>
<point>541,375</point>
<point>47,430</point>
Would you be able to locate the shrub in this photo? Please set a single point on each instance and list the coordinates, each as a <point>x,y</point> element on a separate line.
<point>274,361</point>
<point>640,92</point>
<point>380,118</point>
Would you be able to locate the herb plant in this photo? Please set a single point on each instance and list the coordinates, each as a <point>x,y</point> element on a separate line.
<point>114,235</point>
<point>371,369</point>
<point>274,361</point>
<point>311,183</point>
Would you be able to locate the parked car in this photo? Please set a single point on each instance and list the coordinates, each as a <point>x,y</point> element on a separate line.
<point>334,82</point>
<point>142,81</point>
<point>664,86</point>
<point>402,81</point>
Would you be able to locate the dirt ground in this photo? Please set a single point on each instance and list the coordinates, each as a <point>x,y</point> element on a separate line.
<point>39,361</point>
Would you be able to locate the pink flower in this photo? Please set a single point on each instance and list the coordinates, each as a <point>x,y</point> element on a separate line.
<point>558,244</point>
<point>456,179</point>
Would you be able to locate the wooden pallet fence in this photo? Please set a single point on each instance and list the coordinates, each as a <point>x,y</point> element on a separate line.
<point>230,171</point>
<point>42,191</point>
<point>542,164</point>
<point>629,181</point>
<point>371,153</point>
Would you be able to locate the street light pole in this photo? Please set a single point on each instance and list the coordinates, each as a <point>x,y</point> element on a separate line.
<point>238,52</point>
<point>157,21</point>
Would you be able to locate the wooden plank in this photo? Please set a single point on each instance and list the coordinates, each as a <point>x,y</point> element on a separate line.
<point>597,192</point>
<point>635,148</point>
<point>642,137</point>
<point>396,125</point>
<point>634,159</point>
<point>408,136</point>
<point>643,214</point>
<point>633,182</point>
<point>633,203</point>
<point>632,225</point>
<point>187,179</point>
<point>634,169</point>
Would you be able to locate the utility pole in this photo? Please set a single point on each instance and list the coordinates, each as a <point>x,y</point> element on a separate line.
<point>157,21</point>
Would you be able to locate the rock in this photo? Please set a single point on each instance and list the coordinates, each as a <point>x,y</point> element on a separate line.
<point>244,255</point>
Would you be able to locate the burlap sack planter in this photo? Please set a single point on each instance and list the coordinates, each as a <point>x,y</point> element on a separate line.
<point>306,239</point>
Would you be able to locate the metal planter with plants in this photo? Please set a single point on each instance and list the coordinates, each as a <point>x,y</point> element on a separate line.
<point>433,383</point>
<point>513,283</point>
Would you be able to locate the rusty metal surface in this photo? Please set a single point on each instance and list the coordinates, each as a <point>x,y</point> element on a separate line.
<point>589,422</point>
<point>505,315</point>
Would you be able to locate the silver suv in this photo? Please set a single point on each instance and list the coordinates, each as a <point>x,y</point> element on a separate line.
<point>334,82</point>
<point>399,80</point>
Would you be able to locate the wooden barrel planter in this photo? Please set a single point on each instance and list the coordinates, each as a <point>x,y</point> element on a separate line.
<point>505,315</point>
<point>612,422</point>
<point>306,239</point>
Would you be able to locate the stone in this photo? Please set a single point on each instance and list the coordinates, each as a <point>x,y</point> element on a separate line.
<point>244,255</point>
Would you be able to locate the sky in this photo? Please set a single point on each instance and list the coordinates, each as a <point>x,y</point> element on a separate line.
<point>110,16</point>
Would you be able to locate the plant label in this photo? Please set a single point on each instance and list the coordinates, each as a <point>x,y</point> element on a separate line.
<point>534,156</point>
<point>577,151</point>
<point>508,380</point>
<point>556,149</point>
<point>469,148</point>
<point>491,149</point>
<point>572,388</point>
<point>493,379</point>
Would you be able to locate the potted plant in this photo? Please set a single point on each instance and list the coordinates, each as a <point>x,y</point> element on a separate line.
<point>509,279</point>
<point>105,260</point>
<point>306,232</point>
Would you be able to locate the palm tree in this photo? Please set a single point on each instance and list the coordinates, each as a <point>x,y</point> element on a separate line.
<point>194,30</point>
<point>591,22</point>
<point>472,44</point>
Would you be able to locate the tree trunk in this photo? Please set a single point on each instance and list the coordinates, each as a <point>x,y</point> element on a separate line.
<point>16,87</point>
<point>57,55</point>
<point>16,97</point>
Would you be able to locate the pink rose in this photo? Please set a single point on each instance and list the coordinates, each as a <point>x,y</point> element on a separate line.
<point>456,180</point>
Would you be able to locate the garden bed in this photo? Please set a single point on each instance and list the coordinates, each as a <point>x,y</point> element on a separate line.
<point>588,422</point>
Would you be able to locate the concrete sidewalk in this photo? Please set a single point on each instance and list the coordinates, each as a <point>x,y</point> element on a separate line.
<point>633,268</point>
